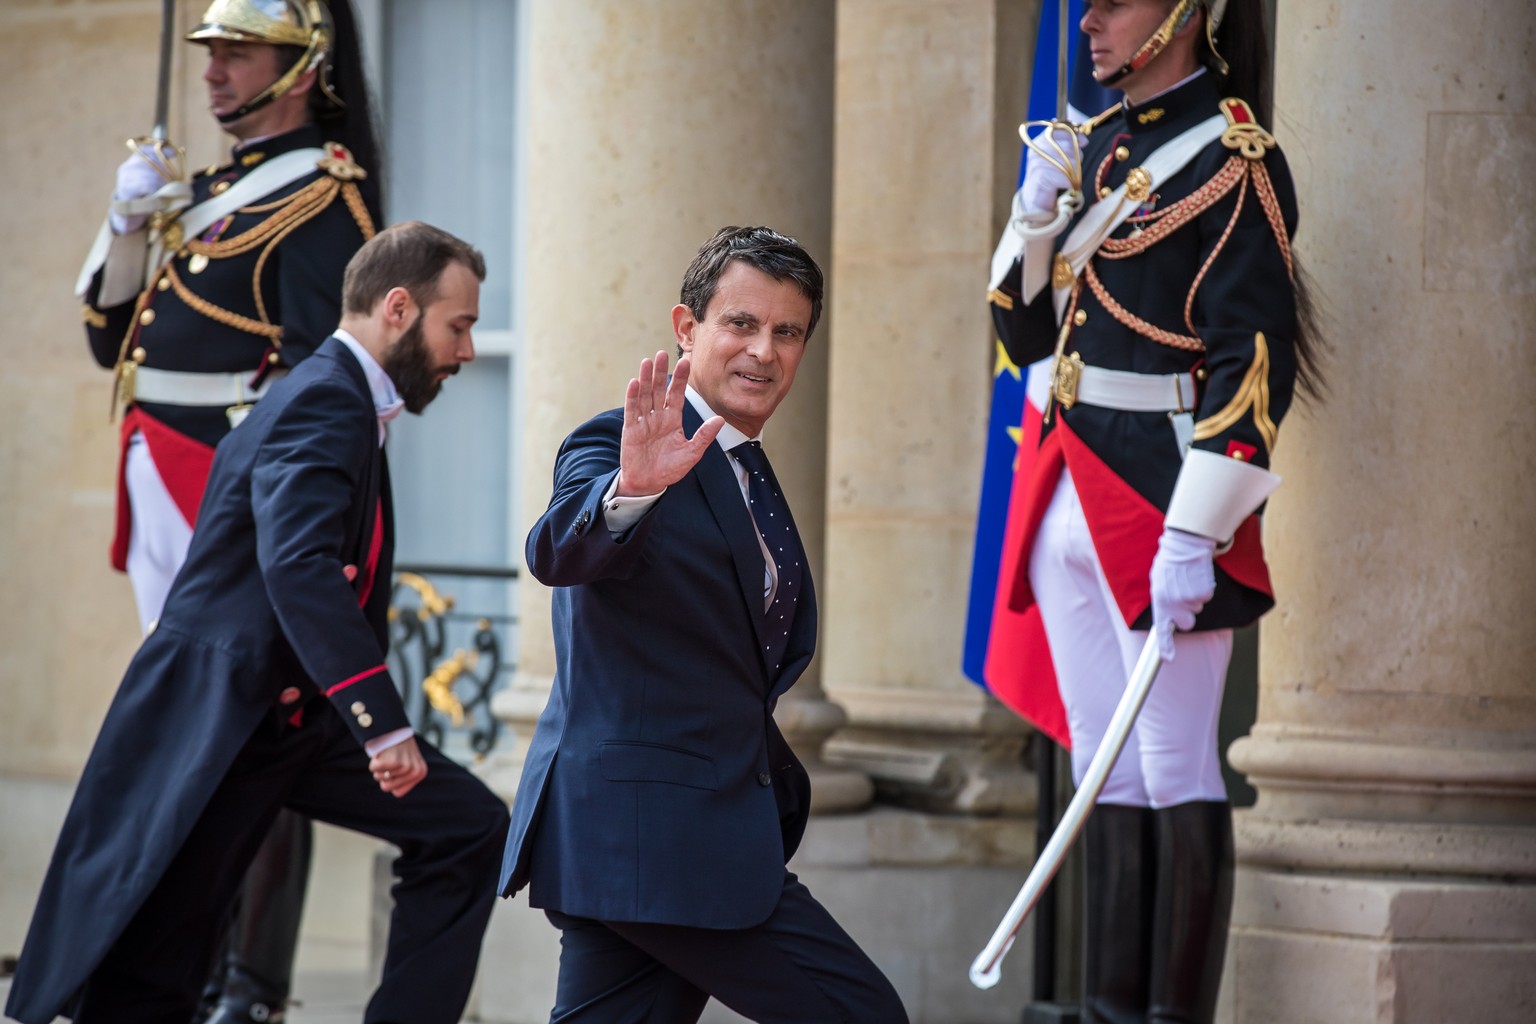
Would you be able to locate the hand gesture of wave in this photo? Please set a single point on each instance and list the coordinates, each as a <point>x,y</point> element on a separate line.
<point>653,451</point>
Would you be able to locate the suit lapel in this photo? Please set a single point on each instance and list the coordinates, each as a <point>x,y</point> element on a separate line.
<point>723,495</point>
<point>365,508</point>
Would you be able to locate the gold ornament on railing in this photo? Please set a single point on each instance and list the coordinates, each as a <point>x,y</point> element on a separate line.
<point>439,685</point>
<point>434,603</point>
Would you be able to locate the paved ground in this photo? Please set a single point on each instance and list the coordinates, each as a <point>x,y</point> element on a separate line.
<point>328,997</point>
<point>322,997</point>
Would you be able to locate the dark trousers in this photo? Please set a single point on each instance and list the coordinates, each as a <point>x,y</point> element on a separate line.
<point>798,967</point>
<point>449,829</point>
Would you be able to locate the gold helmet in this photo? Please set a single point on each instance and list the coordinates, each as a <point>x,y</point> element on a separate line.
<point>1177,19</point>
<point>300,23</point>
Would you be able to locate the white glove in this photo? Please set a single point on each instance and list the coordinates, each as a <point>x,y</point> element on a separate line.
<point>1183,579</point>
<point>135,180</point>
<point>1042,180</point>
<point>1035,213</point>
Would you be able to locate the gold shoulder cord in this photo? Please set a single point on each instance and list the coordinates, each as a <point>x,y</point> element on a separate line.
<point>288,213</point>
<point>1250,143</point>
<point>228,318</point>
<point>290,224</point>
<point>354,200</point>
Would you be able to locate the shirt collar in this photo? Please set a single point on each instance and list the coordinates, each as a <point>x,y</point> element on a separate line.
<point>386,400</point>
<point>729,437</point>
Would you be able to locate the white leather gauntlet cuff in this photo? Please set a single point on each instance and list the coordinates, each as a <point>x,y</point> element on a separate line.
<point>1214,494</point>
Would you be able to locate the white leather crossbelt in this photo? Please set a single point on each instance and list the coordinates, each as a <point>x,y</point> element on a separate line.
<point>1120,389</point>
<point>181,387</point>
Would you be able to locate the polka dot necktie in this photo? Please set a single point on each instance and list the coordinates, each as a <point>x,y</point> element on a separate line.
<point>771,513</point>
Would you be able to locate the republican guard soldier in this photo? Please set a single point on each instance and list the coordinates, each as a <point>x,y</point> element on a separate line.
<point>1151,250</point>
<point>200,295</point>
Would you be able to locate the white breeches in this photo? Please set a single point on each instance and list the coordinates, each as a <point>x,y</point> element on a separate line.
<point>159,534</point>
<point>1171,756</point>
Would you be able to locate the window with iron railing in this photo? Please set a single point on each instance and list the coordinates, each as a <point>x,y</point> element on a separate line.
<point>445,73</point>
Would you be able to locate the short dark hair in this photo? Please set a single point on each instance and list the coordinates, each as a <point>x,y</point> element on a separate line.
<point>409,255</point>
<point>779,256</point>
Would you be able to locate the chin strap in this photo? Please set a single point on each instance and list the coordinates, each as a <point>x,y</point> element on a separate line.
<point>1176,20</point>
<point>317,55</point>
<point>309,60</point>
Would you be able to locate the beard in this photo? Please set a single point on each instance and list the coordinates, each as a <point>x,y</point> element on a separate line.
<point>409,365</point>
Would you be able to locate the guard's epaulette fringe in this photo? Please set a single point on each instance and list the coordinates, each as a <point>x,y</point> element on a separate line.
<point>339,164</point>
<point>1244,133</point>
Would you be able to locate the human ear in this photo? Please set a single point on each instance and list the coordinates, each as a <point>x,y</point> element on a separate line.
<point>397,305</point>
<point>683,324</point>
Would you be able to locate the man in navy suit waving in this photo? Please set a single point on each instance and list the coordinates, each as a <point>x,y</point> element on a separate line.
<point>659,802</point>
<point>264,686</point>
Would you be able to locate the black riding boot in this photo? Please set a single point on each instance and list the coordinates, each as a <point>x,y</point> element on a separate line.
<point>258,966</point>
<point>1119,872</point>
<point>1194,907</point>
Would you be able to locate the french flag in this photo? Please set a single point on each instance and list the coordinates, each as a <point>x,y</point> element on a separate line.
<point>1005,651</point>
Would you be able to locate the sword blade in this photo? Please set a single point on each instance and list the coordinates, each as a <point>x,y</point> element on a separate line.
<point>986,969</point>
<point>163,79</point>
<point>1062,56</point>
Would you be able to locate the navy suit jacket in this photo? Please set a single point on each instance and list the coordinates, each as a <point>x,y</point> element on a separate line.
<point>657,786</point>
<point>261,604</point>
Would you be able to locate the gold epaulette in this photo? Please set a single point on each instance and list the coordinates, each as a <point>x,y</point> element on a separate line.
<point>1244,133</point>
<point>338,163</point>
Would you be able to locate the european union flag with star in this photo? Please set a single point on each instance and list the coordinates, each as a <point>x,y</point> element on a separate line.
<point>1008,380</point>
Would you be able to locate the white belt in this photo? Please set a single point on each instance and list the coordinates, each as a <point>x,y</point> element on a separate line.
<point>1129,392</point>
<point>181,387</point>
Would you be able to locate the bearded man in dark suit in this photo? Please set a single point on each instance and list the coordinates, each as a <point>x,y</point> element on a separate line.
<point>264,686</point>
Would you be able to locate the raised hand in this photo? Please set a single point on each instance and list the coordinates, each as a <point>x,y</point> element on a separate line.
<point>653,451</point>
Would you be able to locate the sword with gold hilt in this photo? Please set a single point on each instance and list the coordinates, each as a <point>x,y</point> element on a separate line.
<point>1059,143</point>
<point>155,148</point>
<point>986,969</point>
<point>169,161</point>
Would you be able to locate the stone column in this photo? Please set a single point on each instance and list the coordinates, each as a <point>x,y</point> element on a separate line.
<point>929,100</point>
<point>644,134</point>
<point>929,97</point>
<point>1388,870</point>
<point>649,126</point>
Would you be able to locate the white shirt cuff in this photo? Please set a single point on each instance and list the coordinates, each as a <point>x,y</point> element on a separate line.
<point>379,744</point>
<point>622,513</point>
